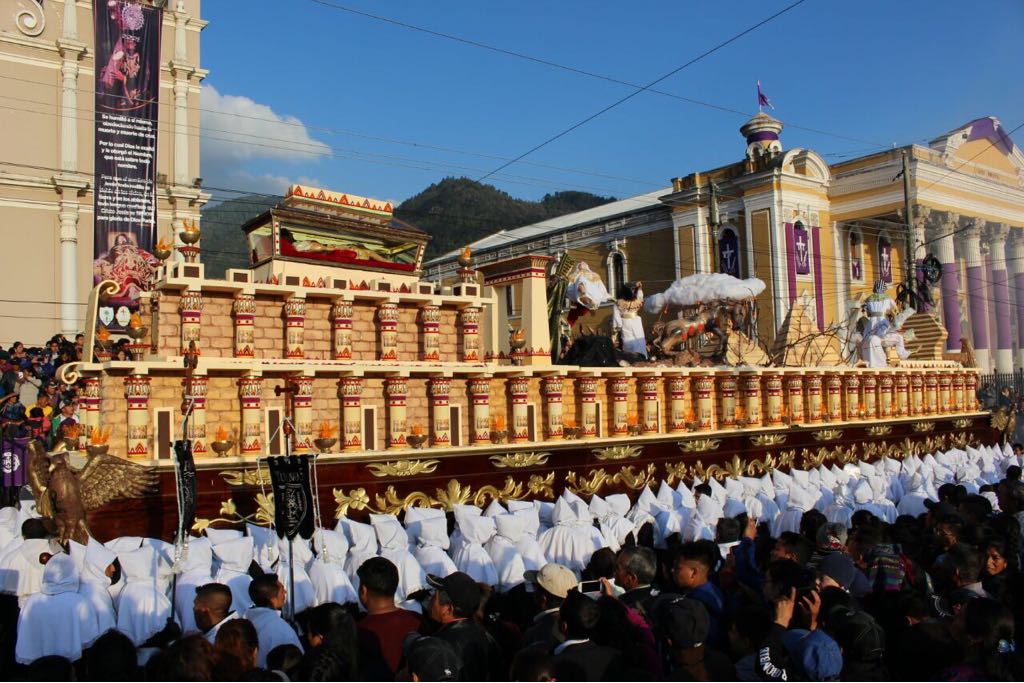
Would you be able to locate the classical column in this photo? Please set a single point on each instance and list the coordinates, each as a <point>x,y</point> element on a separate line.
<point>586,390</point>
<point>69,313</point>
<point>90,403</point>
<point>430,332</point>
<point>678,388</point>
<point>885,395</point>
<point>1015,261</point>
<point>479,389</point>
<point>351,391</point>
<point>136,390</point>
<point>795,396</point>
<point>704,386</point>
<point>727,386</point>
<point>916,394</point>
<point>341,312</point>
<point>957,391</point>
<point>618,387</point>
<point>387,327</point>
<point>945,225</point>
<point>302,414</point>
<point>976,294</point>
<point>971,392</point>
<point>295,327</point>
<point>396,389</point>
<point>440,389</point>
<point>648,390</point>
<point>470,321</point>
<point>195,388</point>
<point>931,393</point>
<point>834,396</point>
<point>851,384</point>
<point>250,394</point>
<point>773,399</point>
<point>751,392</point>
<point>181,133</point>
<point>996,239</point>
<point>190,307</point>
<point>519,394</point>
<point>902,394</point>
<point>871,389</point>
<point>244,310</point>
<point>551,389</point>
<point>813,397</point>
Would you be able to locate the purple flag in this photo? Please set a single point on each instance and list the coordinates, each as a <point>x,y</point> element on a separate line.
<point>762,99</point>
<point>885,260</point>
<point>13,461</point>
<point>729,253</point>
<point>802,250</point>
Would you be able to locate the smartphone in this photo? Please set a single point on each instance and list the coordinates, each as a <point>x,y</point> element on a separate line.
<point>590,586</point>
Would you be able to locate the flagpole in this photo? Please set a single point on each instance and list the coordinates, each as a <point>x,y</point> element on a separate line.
<point>760,107</point>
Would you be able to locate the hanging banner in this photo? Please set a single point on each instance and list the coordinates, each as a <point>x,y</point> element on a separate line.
<point>185,481</point>
<point>802,254</point>
<point>13,461</point>
<point>293,498</point>
<point>729,253</point>
<point>124,186</point>
<point>885,260</point>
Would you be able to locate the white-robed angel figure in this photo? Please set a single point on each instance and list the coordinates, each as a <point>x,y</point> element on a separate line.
<point>626,318</point>
<point>880,333</point>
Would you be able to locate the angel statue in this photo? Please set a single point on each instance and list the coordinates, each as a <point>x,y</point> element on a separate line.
<point>881,330</point>
<point>65,494</point>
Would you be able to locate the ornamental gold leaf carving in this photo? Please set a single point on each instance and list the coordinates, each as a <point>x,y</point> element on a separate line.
<point>962,423</point>
<point>356,499</point>
<point>676,471</point>
<point>879,430</point>
<point>403,468</point>
<point>922,427</point>
<point>827,434</point>
<point>699,445</point>
<point>245,477</point>
<point>768,439</point>
<point>516,460</point>
<point>617,452</point>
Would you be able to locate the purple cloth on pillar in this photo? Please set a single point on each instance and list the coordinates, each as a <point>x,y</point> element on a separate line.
<point>819,300</point>
<point>791,262</point>
<point>951,305</point>
<point>1001,294</point>
<point>1019,282</point>
<point>13,461</point>
<point>978,306</point>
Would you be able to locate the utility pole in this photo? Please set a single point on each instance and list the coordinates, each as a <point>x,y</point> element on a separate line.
<point>911,234</point>
<point>713,223</point>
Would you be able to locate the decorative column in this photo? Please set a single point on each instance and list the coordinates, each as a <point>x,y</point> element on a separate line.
<point>751,387</point>
<point>945,399</point>
<point>1015,259</point>
<point>136,390</point>
<point>551,389</point>
<point>396,389</point>
<point>68,217</point>
<point>387,327</point>
<point>440,389</point>
<point>727,386</point>
<point>916,394</point>
<point>977,299</point>
<point>351,391</point>
<point>430,332</point>
<point>89,406</point>
<point>196,387</point>
<point>942,247</point>
<point>851,385</point>
<point>480,395</point>
<point>586,390</point>
<point>341,312</point>
<point>902,394</point>
<point>795,397</point>
<point>958,392</point>
<point>971,392</point>
<point>773,399</point>
<point>618,387</point>
<point>996,240</point>
<point>648,389</point>
<point>813,397</point>
<point>678,387</point>
<point>704,386</point>
<point>250,393</point>
<point>295,327</point>
<point>834,398</point>
<point>931,393</point>
<point>190,307</point>
<point>885,400</point>
<point>519,394</point>
<point>870,394</point>
<point>470,321</point>
<point>244,310</point>
<point>302,414</point>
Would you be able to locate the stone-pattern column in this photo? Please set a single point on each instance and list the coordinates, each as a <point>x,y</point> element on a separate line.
<point>976,295</point>
<point>90,403</point>
<point>958,392</point>
<point>678,389</point>
<point>1015,260</point>
<point>942,241</point>
<point>902,395</point>
<point>870,394</point>
<point>996,239</point>
<point>970,392</point>
<point>250,394</point>
<point>350,389</point>
<point>397,389</point>
<point>773,399</point>
<point>618,387</point>
<point>727,387</point>
<point>751,387</point>
<point>834,399</point>
<point>295,327</point>
<point>470,322</point>
<point>795,396</point>
<point>704,386</point>
<point>851,385</point>
<point>479,389</point>
<point>341,312</point>
<point>519,394</point>
<point>931,393</point>
<point>551,389</point>
<point>916,394</point>
<point>195,396</point>
<point>190,307</point>
<point>813,397</point>
<point>885,397</point>
<point>430,332</point>
<point>136,390</point>
<point>945,398</point>
<point>586,391</point>
<point>302,414</point>
<point>440,389</point>
<point>387,327</point>
<point>244,310</point>
<point>648,388</point>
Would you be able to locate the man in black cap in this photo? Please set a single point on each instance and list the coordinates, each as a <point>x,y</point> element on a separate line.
<point>455,600</point>
<point>431,659</point>
<point>684,626</point>
<point>578,658</point>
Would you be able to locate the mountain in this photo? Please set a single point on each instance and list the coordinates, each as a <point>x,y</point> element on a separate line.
<point>223,243</point>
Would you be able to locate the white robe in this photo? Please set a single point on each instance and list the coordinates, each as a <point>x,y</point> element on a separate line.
<point>196,571</point>
<point>429,528</point>
<point>304,592</point>
<point>327,572</point>
<point>56,620</point>
<point>93,583</point>
<point>362,546</point>
<point>631,326</point>
<point>272,631</point>
<point>470,557</point>
<point>20,570</point>
<point>503,549</point>
<point>569,542</point>
<point>234,558</point>
<point>142,609</point>
<point>394,545</point>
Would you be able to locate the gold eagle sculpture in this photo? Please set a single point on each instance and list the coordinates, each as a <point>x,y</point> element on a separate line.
<point>64,493</point>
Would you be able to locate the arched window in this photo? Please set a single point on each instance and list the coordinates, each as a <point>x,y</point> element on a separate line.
<point>729,251</point>
<point>618,270</point>
<point>884,258</point>
<point>856,256</point>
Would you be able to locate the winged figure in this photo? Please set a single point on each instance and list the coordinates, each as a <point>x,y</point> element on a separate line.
<point>65,494</point>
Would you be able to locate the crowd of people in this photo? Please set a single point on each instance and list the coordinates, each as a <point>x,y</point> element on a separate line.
<point>895,570</point>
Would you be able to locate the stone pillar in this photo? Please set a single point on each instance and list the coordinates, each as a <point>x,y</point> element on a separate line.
<point>89,406</point>
<point>1015,260</point>
<point>916,394</point>
<point>618,387</point>
<point>341,312</point>
<point>387,329</point>
<point>181,132</point>
<point>69,313</point>
<point>195,395</point>
<point>470,322</point>
<point>871,393</point>
<point>773,399</point>
<point>977,299</point>
<point>851,385</point>
<point>678,387</point>
<point>136,390</point>
<point>430,332</point>
<point>302,414</point>
<point>902,395</point>
<point>551,389</point>
<point>190,307</point>
<point>250,394</point>
<point>728,386</point>
<point>586,390</point>
<point>958,392</point>
<point>479,389</point>
<point>396,389</point>
<point>519,394</point>
<point>971,392</point>
<point>295,327</point>
<point>704,386</point>
<point>941,237</point>
<point>244,309</point>
<point>814,407</point>
<point>350,389</point>
<point>439,389</point>
<point>795,397</point>
<point>931,393</point>
<point>996,240</point>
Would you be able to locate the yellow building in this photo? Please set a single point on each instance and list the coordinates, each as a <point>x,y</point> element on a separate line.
<point>47,147</point>
<point>826,231</point>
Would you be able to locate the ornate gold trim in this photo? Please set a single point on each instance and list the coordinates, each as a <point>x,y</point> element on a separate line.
<point>962,422</point>
<point>768,439</point>
<point>879,430</point>
<point>673,471</point>
<point>817,458</point>
<point>827,434</point>
<point>403,468</point>
<point>617,452</point>
<point>597,479</point>
<point>516,460</point>
<point>922,427</point>
<point>245,477</point>
<point>264,515</point>
<point>699,445</point>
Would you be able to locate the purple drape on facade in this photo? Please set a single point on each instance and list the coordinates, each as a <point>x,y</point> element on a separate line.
<point>885,260</point>
<point>791,262</point>
<point>729,253</point>
<point>1001,294</point>
<point>1018,281</point>
<point>802,256</point>
<point>819,300</point>
<point>951,305</point>
<point>979,309</point>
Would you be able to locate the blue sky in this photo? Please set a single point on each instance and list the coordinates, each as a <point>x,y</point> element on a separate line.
<point>329,97</point>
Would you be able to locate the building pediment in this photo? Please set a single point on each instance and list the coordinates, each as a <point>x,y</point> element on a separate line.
<point>984,142</point>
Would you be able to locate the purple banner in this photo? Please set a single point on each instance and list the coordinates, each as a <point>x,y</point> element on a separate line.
<point>802,250</point>
<point>951,305</point>
<point>856,258</point>
<point>791,256</point>
<point>13,461</point>
<point>729,253</point>
<point>819,300</point>
<point>979,307</point>
<point>1001,294</point>
<point>127,94</point>
<point>1018,280</point>
<point>884,260</point>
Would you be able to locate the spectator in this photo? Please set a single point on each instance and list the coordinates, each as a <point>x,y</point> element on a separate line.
<point>268,596</point>
<point>453,603</point>
<point>551,583</point>
<point>112,657</point>
<point>577,658</point>
<point>635,569</point>
<point>330,628</point>
<point>285,659</point>
<point>383,628</point>
<point>236,650</point>
<point>685,626</point>
<point>691,571</point>
<point>432,659</point>
<point>212,609</point>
